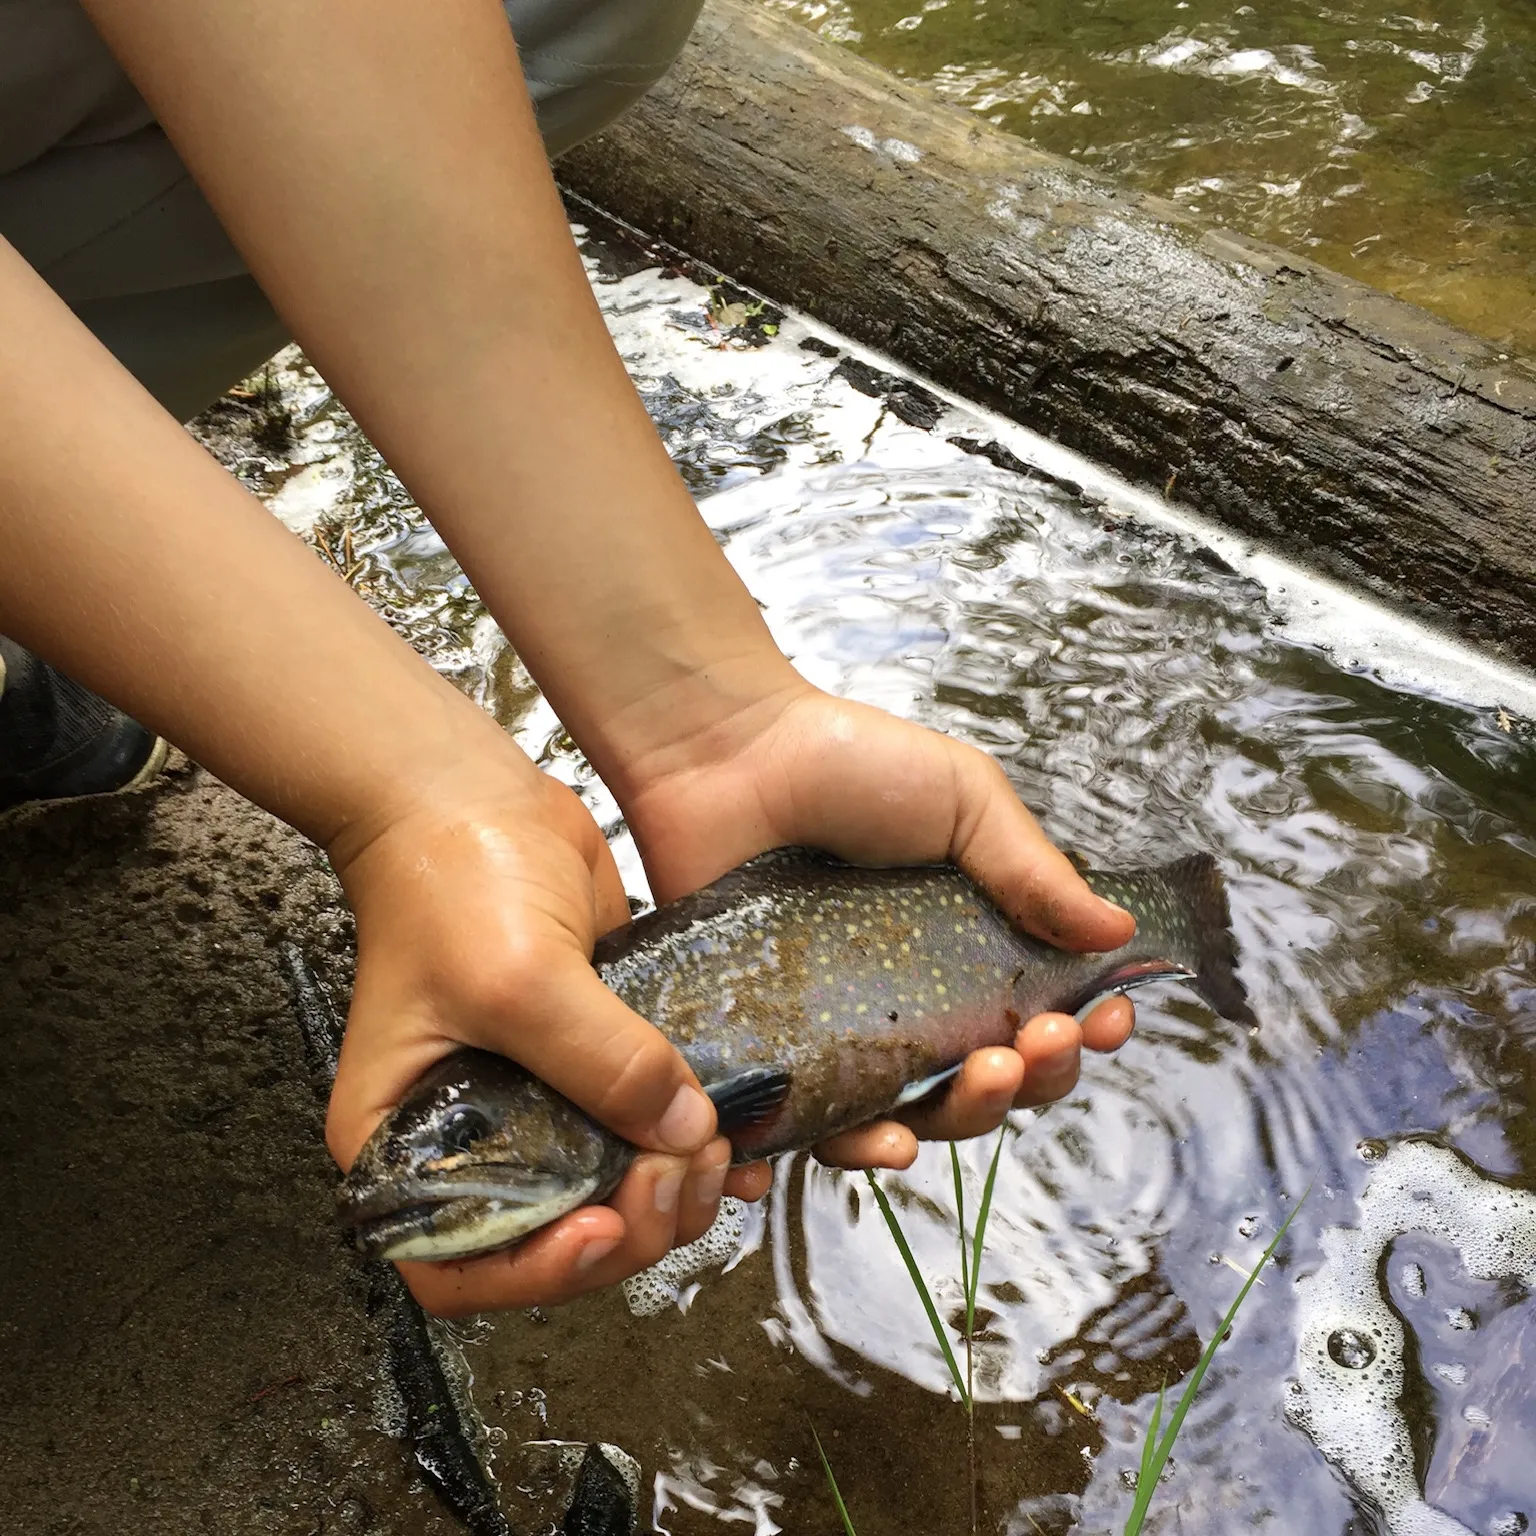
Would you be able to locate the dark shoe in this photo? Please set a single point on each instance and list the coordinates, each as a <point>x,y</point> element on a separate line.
<point>58,741</point>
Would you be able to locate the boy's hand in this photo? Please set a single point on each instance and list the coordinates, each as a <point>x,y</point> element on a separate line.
<point>799,766</point>
<point>475,924</point>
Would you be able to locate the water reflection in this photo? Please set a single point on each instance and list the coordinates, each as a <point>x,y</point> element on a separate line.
<point>1392,143</point>
<point>1381,849</point>
<point>1382,865</point>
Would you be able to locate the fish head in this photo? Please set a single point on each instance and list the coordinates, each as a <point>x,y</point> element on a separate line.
<point>477,1156</point>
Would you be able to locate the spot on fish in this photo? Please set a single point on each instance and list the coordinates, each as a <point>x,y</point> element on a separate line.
<point>826,1016</point>
<point>937,971</point>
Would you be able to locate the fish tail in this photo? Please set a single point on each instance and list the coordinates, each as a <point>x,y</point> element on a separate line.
<point>1198,882</point>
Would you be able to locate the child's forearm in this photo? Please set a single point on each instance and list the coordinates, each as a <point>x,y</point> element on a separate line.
<point>378,164</point>
<point>128,557</point>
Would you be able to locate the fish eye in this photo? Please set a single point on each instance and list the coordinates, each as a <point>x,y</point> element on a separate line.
<point>462,1127</point>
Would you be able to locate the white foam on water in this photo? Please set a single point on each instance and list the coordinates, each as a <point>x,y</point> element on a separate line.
<point>669,1283</point>
<point>1349,1408</point>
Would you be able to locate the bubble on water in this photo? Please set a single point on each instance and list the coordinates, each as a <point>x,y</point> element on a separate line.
<point>1478,1418</point>
<point>1354,1351</point>
<point>669,1283</point>
<point>1412,1277</point>
<point>1371,1150</point>
<point>1460,1319</point>
<point>1248,1226</point>
<point>1511,1524</point>
<point>1452,1372</point>
<point>1353,1413</point>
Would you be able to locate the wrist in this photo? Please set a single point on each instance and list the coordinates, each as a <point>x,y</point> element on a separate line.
<point>701,715</point>
<point>453,783</point>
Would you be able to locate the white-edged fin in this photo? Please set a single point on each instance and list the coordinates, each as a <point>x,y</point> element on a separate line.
<point>1129,985</point>
<point>921,1089</point>
<point>491,1224</point>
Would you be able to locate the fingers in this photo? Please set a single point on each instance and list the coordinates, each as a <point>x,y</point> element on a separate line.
<point>1042,1067</point>
<point>881,1144</point>
<point>1000,845</point>
<point>750,1182</point>
<point>662,1203</point>
<point>702,1190</point>
<point>1110,1024</point>
<point>982,1093</point>
<point>1051,1045</point>
<point>548,1268</point>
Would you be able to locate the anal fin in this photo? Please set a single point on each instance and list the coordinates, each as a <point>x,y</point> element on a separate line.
<point>914,1092</point>
<point>748,1097</point>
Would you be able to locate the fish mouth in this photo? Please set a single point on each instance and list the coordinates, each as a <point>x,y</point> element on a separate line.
<point>454,1215</point>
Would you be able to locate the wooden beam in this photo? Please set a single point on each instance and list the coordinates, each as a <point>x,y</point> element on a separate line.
<point>1358,433</point>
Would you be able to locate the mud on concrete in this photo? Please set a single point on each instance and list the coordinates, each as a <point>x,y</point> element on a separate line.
<point>184,1342</point>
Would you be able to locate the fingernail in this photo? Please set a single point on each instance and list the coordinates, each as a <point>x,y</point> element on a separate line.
<point>710,1185</point>
<point>595,1252</point>
<point>687,1122</point>
<point>668,1187</point>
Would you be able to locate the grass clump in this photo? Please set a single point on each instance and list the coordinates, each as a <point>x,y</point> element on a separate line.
<point>1158,1445</point>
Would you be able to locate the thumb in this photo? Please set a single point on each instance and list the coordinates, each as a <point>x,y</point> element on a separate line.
<point>584,1042</point>
<point>1001,847</point>
<point>559,1021</point>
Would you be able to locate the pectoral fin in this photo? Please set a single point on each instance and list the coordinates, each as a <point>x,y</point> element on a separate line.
<point>748,1097</point>
<point>925,1086</point>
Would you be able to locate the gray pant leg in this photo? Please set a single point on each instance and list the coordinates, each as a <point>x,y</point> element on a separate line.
<point>120,231</point>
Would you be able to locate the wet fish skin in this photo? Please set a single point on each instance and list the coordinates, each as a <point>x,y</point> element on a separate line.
<point>808,996</point>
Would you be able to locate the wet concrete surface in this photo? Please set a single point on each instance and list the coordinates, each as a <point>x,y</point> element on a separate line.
<point>184,1344</point>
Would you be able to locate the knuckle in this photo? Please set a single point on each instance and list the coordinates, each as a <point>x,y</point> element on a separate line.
<point>504,981</point>
<point>644,1073</point>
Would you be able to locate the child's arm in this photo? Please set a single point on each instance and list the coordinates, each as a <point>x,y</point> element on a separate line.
<point>130,558</point>
<point>377,163</point>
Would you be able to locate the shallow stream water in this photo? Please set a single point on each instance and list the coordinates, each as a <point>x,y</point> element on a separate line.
<point>1392,142</point>
<point>1150,689</point>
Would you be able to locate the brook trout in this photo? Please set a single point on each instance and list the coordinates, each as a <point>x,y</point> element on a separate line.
<point>808,996</point>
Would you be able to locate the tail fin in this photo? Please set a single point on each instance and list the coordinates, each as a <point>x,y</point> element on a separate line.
<point>1197,879</point>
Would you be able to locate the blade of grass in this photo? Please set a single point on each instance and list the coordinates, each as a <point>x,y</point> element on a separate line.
<point>965,1268</point>
<point>973,1279</point>
<point>837,1497</point>
<point>1149,1446</point>
<point>919,1285</point>
<point>1152,1466</point>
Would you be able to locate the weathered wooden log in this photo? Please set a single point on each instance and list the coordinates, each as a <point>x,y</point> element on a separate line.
<point>1359,433</point>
